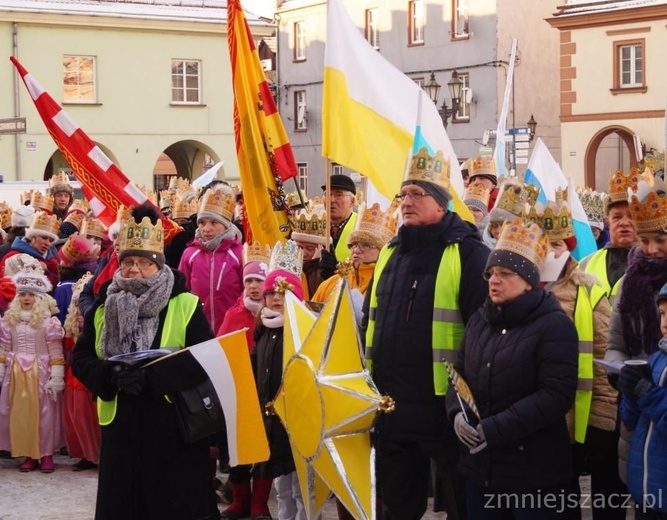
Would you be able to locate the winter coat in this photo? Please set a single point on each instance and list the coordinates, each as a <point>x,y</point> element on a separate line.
<point>520,361</point>
<point>49,260</point>
<point>236,318</point>
<point>604,404</point>
<point>173,251</point>
<point>147,471</point>
<point>402,351</point>
<point>647,419</point>
<point>216,277</point>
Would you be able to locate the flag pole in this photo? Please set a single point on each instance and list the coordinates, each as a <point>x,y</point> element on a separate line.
<point>327,203</point>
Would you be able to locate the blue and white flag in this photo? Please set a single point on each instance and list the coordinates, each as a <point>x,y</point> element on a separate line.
<point>499,151</point>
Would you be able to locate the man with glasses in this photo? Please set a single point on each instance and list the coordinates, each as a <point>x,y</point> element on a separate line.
<point>343,219</point>
<point>427,284</point>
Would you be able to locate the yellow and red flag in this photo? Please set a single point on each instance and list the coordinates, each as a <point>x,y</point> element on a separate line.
<point>264,154</point>
<point>105,186</point>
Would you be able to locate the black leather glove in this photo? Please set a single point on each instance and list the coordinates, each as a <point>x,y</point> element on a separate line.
<point>328,264</point>
<point>632,383</point>
<point>131,381</point>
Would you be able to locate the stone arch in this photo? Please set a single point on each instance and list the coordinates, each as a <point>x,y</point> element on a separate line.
<point>189,160</point>
<point>627,137</point>
<point>57,161</point>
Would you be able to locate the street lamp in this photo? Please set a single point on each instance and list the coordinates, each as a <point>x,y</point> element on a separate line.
<point>532,125</point>
<point>455,87</point>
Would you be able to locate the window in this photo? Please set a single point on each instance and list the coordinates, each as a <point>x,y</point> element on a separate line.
<point>372,27</point>
<point>463,112</point>
<point>336,169</point>
<point>300,111</point>
<point>460,20</point>
<point>185,82</point>
<point>416,23</point>
<point>302,176</point>
<point>419,81</point>
<point>299,41</point>
<point>79,79</point>
<point>629,70</point>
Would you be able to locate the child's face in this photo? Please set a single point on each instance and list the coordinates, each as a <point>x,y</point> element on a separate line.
<point>662,308</point>
<point>27,300</point>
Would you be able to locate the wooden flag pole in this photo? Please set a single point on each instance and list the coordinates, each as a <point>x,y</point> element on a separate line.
<point>327,203</point>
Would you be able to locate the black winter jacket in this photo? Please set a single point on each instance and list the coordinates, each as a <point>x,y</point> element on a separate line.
<point>520,361</point>
<point>402,343</point>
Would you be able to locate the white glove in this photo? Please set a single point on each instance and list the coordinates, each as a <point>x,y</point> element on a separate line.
<point>357,305</point>
<point>482,441</point>
<point>56,382</point>
<point>2,372</point>
<point>466,433</point>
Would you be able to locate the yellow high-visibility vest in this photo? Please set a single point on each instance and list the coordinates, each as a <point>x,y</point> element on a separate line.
<point>179,311</point>
<point>447,329</point>
<point>342,251</point>
<point>596,263</point>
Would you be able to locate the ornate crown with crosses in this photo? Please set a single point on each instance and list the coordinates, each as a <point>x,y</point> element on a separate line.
<point>141,237</point>
<point>286,257</point>
<point>218,202</point>
<point>41,201</point>
<point>526,240</point>
<point>93,227</point>
<point>555,219</point>
<point>620,183</point>
<point>648,205</point>
<point>424,167</point>
<point>310,226</point>
<point>256,252</point>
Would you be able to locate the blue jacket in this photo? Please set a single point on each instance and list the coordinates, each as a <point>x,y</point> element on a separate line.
<point>647,418</point>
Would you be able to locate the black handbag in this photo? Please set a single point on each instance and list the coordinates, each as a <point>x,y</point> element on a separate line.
<point>198,412</point>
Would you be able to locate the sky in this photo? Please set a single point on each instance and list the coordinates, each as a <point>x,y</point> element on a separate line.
<point>260,7</point>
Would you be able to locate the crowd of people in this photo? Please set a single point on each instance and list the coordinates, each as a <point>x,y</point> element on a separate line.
<point>515,368</point>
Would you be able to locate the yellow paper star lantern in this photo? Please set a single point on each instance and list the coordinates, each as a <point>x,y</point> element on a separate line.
<point>327,402</point>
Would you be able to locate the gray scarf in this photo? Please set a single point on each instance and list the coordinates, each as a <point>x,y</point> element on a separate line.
<point>132,309</point>
<point>230,233</point>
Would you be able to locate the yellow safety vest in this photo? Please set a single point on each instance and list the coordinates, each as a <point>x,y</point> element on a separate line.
<point>180,310</point>
<point>587,300</point>
<point>342,251</point>
<point>447,329</point>
<point>596,263</point>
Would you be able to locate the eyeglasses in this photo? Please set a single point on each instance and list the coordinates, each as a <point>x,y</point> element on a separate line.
<point>361,246</point>
<point>141,264</point>
<point>340,195</point>
<point>414,195</point>
<point>501,275</point>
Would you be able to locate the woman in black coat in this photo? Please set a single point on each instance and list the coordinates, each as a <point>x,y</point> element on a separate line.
<point>519,357</point>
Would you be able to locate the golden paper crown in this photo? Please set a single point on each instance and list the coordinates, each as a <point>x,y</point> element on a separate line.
<point>44,223</point>
<point>310,226</point>
<point>141,237</point>
<point>620,183</point>
<point>80,205</point>
<point>512,198</point>
<point>654,161</point>
<point>93,227</point>
<point>60,178</point>
<point>167,199</point>
<point>316,203</point>
<point>26,196</point>
<point>5,215</point>
<point>78,249</point>
<point>256,252</point>
<point>434,169</point>
<point>593,203</point>
<point>531,193</point>
<point>186,191</point>
<point>648,206</point>
<point>555,219</point>
<point>183,208</point>
<point>41,201</point>
<point>526,240</point>
<point>482,165</point>
<point>375,226</point>
<point>477,192</point>
<point>149,193</point>
<point>286,257</point>
<point>218,202</point>
<point>176,183</point>
<point>80,283</point>
<point>562,195</point>
<point>294,200</point>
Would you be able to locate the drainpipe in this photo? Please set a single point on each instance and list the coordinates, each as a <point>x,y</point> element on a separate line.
<point>17,104</point>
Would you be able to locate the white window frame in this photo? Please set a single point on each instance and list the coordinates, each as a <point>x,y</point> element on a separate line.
<point>184,89</point>
<point>417,22</point>
<point>302,176</point>
<point>373,27</point>
<point>75,87</point>
<point>630,66</point>
<point>463,112</point>
<point>300,41</point>
<point>300,111</point>
<point>336,169</point>
<point>460,19</point>
<point>420,82</point>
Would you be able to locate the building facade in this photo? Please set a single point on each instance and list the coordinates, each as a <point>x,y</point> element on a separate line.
<point>148,81</point>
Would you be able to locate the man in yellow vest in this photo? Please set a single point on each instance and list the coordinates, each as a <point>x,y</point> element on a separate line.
<point>427,283</point>
<point>343,219</point>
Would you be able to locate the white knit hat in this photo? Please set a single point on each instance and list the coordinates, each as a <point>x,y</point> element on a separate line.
<point>22,215</point>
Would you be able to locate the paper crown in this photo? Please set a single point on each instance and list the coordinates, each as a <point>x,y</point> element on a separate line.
<point>176,183</point>
<point>183,208</point>
<point>141,237</point>
<point>93,227</point>
<point>167,199</point>
<point>5,215</point>
<point>218,202</point>
<point>77,212</point>
<point>79,249</point>
<point>79,205</point>
<point>44,224</point>
<point>648,205</point>
<point>33,280</point>
<point>555,219</point>
<point>424,167</point>
<point>80,283</point>
<point>310,226</point>
<point>316,203</point>
<point>482,165</point>
<point>654,161</point>
<point>514,197</point>
<point>59,182</point>
<point>593,203</point>
<point>526,240</point>
<point>148,193</point>
<point>294,200</point>
<point>26,197</point>
<point>256,252</point>
<point>620,183</point>
<point>375,226</point>
<point>286,257</point>
<point>477,193</point>
<point>41,201</point>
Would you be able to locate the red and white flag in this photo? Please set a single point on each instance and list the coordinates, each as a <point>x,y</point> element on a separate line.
<point>105,186</point>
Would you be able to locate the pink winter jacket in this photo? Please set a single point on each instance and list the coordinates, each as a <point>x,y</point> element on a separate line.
<point>215,277</point>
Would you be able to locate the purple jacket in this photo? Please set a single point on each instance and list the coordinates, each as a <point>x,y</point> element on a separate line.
<point>215,277</point>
